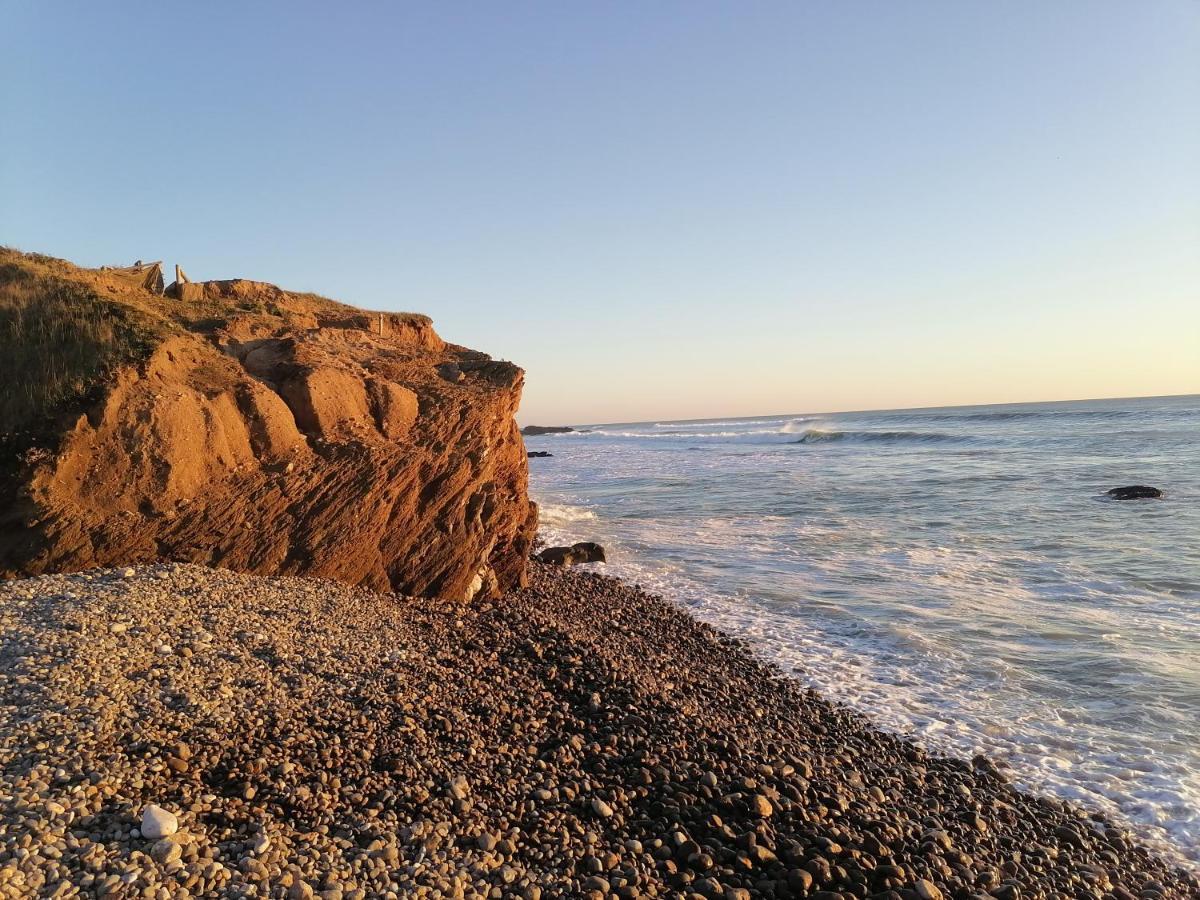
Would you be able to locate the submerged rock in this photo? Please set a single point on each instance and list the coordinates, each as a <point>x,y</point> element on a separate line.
<point>583,552</point>
<point>1135,492</point>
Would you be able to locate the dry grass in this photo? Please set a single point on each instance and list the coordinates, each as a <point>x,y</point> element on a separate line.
<point>63,329</point>
<point>59,338</point>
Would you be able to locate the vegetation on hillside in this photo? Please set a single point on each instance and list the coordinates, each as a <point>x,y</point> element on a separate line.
<point>64,329</point>
<point>58,339</point>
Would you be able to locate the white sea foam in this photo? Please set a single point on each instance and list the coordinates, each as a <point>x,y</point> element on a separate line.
<point>688,430</point>
<point>558,515</point>
<point>937,700</point>
<point>979,600</point>
<point>675,426</point>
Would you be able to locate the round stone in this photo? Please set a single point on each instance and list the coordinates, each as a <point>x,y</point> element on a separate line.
<point>158,822</point>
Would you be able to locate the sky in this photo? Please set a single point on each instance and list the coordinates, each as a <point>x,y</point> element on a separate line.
<point>660,210</point>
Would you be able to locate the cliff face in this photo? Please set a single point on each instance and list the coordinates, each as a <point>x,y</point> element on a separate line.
<point>279,433</point>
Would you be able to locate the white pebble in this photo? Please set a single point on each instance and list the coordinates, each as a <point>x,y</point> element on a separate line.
<point>158,823</point>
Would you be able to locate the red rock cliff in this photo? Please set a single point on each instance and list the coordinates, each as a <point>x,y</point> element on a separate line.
<point>272,432</point>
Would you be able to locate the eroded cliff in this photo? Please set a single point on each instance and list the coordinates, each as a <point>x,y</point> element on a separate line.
<point>269,432</point>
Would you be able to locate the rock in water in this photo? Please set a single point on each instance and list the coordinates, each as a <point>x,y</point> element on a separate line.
<point>1135,492</point>
<point>158,823</point>
<point>539,454</point>
<point>263,431</point>
<point>583,552</point>
<point>534,430</point>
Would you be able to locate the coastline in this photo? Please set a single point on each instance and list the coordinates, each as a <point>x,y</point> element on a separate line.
<point>976,591</point>
<point>578,738</point>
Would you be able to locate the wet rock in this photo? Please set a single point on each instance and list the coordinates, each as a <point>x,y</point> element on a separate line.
<point>582,552</point>
<point>1134,492</point>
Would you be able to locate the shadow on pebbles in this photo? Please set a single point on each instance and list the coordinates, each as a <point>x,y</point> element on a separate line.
<point>176,731</point>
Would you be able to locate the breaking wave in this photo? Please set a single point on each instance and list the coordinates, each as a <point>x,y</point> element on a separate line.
<point>822,436</point>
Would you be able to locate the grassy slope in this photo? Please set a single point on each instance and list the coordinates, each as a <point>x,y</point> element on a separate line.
<point>58,338</point>
<point>64,329</point>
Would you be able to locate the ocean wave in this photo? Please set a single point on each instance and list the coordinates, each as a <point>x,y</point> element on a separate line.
<point>1008,415</point>
<point>822,436</point>
<point>719,423</point>
<point>561,514</point>
<point>667,435</point>
<point>786,426</point>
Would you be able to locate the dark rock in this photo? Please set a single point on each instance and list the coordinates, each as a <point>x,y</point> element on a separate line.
<point>1135,492</point>
<point>583,552</point>
<point>538,454</point>
<point>534,430</point>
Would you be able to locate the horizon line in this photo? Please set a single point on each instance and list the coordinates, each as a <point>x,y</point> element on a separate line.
<point>840,412</point>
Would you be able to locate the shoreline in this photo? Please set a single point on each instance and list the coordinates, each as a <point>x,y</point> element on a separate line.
<point>578,738</point>
<point>1044,644</point>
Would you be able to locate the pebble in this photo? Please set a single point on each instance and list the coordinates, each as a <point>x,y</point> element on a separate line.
<point>578,739</point>
<point>158,822</point>
<point>165,851</point>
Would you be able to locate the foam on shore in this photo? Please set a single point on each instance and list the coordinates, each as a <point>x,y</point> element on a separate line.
<point>923,694</point>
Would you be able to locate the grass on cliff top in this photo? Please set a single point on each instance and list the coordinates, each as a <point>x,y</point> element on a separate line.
<point>58,340</point>
<point>64,329</point>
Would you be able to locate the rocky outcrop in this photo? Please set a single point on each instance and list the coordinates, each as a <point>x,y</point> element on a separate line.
<point>582,552</point>
<point>535,430</point>
<point>1135,492</point>
<point>278,433</point>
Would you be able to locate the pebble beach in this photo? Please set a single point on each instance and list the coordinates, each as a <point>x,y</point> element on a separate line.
<point>178,731</point>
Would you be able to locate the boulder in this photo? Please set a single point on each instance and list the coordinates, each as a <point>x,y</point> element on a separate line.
<point>267,432</point>
<point>538,454</point>
<point>1134,492</point>
<point>583,552</point>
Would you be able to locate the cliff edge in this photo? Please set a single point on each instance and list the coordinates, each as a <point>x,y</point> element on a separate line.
<point>252,428</point>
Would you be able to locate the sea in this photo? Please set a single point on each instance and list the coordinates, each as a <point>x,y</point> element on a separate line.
<point>957,574</point>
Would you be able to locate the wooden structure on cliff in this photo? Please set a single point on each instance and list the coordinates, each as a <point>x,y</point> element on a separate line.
<point>178,288</point>
<point>147,275</point>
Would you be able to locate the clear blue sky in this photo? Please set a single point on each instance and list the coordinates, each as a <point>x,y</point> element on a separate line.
<point>660,210</point>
